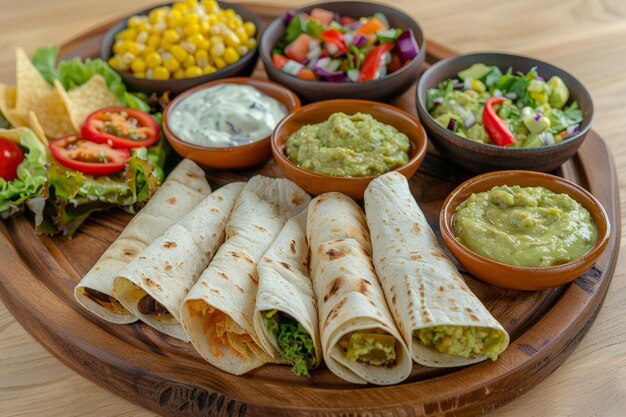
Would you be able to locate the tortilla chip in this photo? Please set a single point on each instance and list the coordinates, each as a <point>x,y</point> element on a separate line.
<point>7,104</point>
<point>89,97</point>
<point>34,124</point>
<point>16,118</point>
<point>31,86</point>
<point>53,114</point>
<point>12,134</point>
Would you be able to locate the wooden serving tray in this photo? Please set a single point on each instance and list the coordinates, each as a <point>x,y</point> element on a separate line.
<point>38,275</point>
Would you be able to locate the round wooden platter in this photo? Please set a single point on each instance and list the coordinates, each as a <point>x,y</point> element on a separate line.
<point>38,275</point>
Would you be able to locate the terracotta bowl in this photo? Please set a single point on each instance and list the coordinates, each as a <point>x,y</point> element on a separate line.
<point>479,157</point>
<point>384,89</point>
<point>243,67</point>
<point>234,156</point>
<point>517,277</point>
<point>318,112</point>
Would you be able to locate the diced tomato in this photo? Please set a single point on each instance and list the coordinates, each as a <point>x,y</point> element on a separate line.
<point>121,127</point>
<point>88,157</point>
<point>324,16</point>
<point>395,64</point>
<point>307,74</point>
<point>346,20</point>
<point>11,156</point>
<point>371,63</point>
<point>371,27</point>
<point>334,37</point>
<point>299,47</point>
<point>279,60</point>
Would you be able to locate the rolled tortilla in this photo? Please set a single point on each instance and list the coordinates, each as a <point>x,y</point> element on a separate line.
<point>218,312</point>
<point>181,191</point>
<point>285,318</point>
<point>360,341</point>
<point>153,285</point>
<point>433,307</point>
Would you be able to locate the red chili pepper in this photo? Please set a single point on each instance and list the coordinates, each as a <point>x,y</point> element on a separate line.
<point>336,38</point>
<point>371,63</point>
<point>494,125</point>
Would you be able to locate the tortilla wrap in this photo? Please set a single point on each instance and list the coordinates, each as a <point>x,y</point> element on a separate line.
<point>349,297</point>
<point>422,286</point>
<point>181,191</point>
<point>167,269</point>
<point>218,312</point>
<point>285,286</point>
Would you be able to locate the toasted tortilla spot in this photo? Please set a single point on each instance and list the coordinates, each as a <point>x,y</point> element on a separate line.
<point>416,257</point>
<point>223,275</point>
<point>334,219</point>
<point>268,260</point>
<point>335,284</point>
<point>204,284</point>
<point>150,283</point>
<point>253,278</point>
<point>469,310</point>
<point>438,254</point>
<point>335,230</point>
<point>292,246</point>
<point>168,266</point>
<point>129,252</point>
<point>334,254</point>
<point>363,286</point>
<point>261,228</point>
<point>416,228</point>
<point>214,291</point>
<point>473,317</point>
<point>334,312</point>
<point>394,299</point>
<point>219,197</point>
<point>215,210</point>
<point>240,255</point>
<point>239,288</point>
<point>296,199</point>
<point>285,265</point>
<point>442,289</point>
<point>169,245</point>
<point>193,175</point>
<point>171,200</point>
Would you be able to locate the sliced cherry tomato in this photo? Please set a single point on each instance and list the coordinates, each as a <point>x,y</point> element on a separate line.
<point>121,127</point>
<point>88,157</point>
<point>11,156</point>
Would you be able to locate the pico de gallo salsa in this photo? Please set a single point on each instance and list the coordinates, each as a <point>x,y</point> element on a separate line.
<point>324,46</point>
<point>121,128</point>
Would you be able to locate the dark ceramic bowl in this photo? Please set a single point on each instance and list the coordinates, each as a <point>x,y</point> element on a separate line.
<point>479,157</point>
<point>384,89</point>
<point>243,67</point>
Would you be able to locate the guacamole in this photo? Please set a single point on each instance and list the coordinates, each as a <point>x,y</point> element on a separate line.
<point>371,347</point>
<point>463,341</point>
<point>348,146</point>
<point>525,226</point>
<point>536,111</point>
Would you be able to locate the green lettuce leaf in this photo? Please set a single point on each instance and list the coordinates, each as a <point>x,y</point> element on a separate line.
<point>293,340</point>
<point>561,119</point>
<point>31,176</point>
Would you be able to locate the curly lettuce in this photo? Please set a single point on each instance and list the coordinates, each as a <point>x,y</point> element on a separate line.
<point>293,341</point>
<point>31,174</point>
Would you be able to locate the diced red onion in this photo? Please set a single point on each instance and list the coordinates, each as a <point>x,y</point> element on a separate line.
<point>348,38</point>
<point>407,46</point>
<point>332,76</point>
<point>573,129</point>
<point>289,16</point>
<point>537,117</point>
<point>313,54</point>
<point>292,67</point>
<point>540,78</point>
<point>322,63</point>
<point>452,124</point>
<point>333,65</point>
<point>457,85</point>
<point>438,101</point>
<point>469,121</point>
<point>359,40</point>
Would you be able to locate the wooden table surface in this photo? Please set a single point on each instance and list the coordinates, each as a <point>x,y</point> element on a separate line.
<point>585,37</point>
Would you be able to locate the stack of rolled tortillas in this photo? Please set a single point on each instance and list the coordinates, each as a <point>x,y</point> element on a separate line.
<point>257,273</point>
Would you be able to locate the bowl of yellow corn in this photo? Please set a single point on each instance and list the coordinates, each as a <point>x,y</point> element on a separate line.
<point>176,46</point>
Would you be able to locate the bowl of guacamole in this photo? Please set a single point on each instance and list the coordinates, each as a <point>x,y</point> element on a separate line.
<point>341,145</point>
<point>492,111</point>
<point>524,230</point>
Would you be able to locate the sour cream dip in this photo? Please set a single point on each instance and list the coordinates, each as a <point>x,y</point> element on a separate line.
<point>226,115</point>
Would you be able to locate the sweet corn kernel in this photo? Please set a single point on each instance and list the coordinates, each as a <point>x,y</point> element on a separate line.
<point>134,21</point>
<point>241,34</point>
<point>231,39</point>
<point>540,97</point>
<point>219,62</point>
<point>161,73</point>
<point>215,30</point>
<point>250,28</point>
<point>235,22</point>
<point>213,19</point>
<point>229,13</point>
<point>209,69</point>
<point>191,29</point>
<point>119,47</point>
<point>204,26</point>
<point>153,41</point>
<point>193,71</point>
<point>144,27</point>
<point>171,64</point>
<point>189,61</point>
<point>157,15</point>
<point>139,74</point>
<point>138,65</point>
<point>133,48</point>
<point>217,49</point>
<point>230,55</point>
<point>196,39</point>
<point>153,60</point>
<point>191,19</point>
<point>114,62</point>
<point>251,43</point>
<point>202,58</point>
<point>242,50</point>
<point>179,53</point>
<point>180,73</point>
<point>171,36</point>
<point>148,50</point>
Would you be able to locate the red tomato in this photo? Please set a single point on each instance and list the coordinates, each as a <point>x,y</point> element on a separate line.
<point>279,60</point>
<point>11,156</point>
<point>323,16</point>
<point>121,127</point>
<point>298,48</point>
<point>88,157</point>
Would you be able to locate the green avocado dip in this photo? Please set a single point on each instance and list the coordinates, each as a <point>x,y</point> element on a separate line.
<point>372,348</point>
<point>525,226</point>
<point>348,146</point>
<point>293,340</point>
<point>463,341</point>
